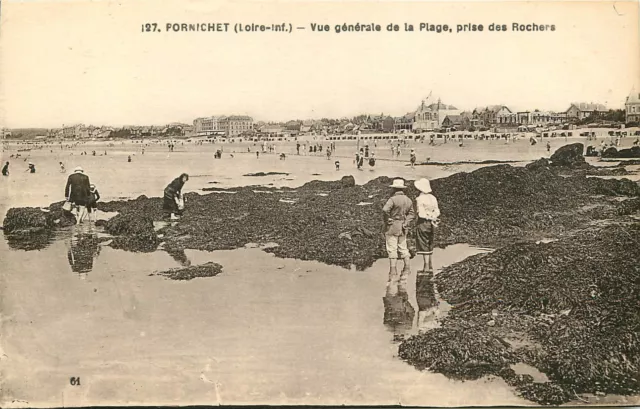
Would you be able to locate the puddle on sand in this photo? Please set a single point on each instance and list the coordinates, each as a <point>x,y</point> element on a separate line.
<point>267,330</point>
<point>427,302</point>
<point>524,369</point>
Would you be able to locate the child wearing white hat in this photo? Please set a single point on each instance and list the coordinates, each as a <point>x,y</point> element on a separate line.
<point>428,213</point>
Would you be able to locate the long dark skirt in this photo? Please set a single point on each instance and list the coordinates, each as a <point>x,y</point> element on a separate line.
<point>424,236</point>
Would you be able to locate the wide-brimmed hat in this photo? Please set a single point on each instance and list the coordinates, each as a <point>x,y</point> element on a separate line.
<point>398,184</point>
<point>78,169</point>
<point>423,185</point>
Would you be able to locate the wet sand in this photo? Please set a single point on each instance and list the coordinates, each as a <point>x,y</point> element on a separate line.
<point>266,330</point>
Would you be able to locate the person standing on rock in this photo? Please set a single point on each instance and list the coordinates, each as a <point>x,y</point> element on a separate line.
<point>398,215</point>
<point>428,213</point>
<point>77,191</point>
<point>173,195</point>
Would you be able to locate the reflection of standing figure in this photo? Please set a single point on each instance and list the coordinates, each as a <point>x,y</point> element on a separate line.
<point>426,298</point>
<point>398,312</point>
<point>84,248</point>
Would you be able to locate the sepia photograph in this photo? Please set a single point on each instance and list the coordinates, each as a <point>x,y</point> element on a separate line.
<point>392,203</point>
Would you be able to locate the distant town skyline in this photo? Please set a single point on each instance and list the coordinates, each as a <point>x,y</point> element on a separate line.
<point>90,64</point>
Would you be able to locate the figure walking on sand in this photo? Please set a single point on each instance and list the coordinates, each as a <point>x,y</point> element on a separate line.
<point>5,169</point>
<point>173,201</point>
<point>398,215</point>
<point>77,191</point>
<point>412,158</point>
<point>428,213</point>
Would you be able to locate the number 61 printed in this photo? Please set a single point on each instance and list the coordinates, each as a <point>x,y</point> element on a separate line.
<point>74,381</point>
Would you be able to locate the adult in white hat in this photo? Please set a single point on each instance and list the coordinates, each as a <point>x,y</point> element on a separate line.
<point>428,213</point>
<point>77,191</point>
<point>398,215</point>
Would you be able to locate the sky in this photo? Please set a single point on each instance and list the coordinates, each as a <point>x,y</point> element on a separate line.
<point>66,62</point>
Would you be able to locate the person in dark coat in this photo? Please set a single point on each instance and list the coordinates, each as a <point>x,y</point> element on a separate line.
<point>5,169</point>
<point>173,194</point>
<point>77,191</point>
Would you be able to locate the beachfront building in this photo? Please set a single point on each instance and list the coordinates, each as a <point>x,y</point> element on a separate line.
<point>583,110</point>
<point>73,131</point>
<point>382,123</point>
<point>271,130</point>
<point>429,117</point>
<point>405,122</point>
<point>540,118</point>
<point>459,122</point>
<point>493,114</point>
<point>208,125</point>
<point>632,107</point>
<point>237,124</point>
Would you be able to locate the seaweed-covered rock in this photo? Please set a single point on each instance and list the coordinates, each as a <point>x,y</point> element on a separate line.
<point>464,353</point>
<point>189,273</point>
<point>60,217</point>
<point>27,219</point>
<point>611,152</point>
<point>133,232</point>
<point>542,163</point>
<point>577,298</point>
<point>570,156</point>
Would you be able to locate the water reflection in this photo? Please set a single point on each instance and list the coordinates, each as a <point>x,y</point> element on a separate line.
<point>82,249</point>
<point>426,299</point>
<point>178,255</point>
<point>398,311</point>
<point>30,240</point>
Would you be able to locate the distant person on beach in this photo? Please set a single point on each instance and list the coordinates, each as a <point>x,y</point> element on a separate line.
<point>298,147</point>
<point>372,160</point>
<point>31,168</point>
<point>398,214</point>
<point>548,147</point>
<point>5,169</point>
<point>337,163</point>
<point>77,191</point>
<point>428,213</point>
<point>129,158</point>
<point>412,158</point>
<point>62,168</point>
<point>92,203</point>
<point>173,196</point>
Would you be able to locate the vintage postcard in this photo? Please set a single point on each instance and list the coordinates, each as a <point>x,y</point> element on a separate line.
<point>319,203</point>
